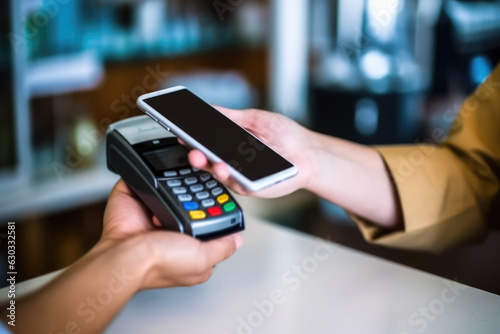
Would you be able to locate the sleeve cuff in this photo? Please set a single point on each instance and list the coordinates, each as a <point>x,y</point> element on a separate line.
<point>438,209</point>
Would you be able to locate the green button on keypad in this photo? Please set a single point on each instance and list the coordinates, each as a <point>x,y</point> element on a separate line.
<point>229,206</point>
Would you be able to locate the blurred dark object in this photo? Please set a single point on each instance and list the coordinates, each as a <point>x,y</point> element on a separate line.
<point>378,62</point>
<point>15,159</point>
<point>374,70</point>
<point>365,117</point>
<point>467,45</point>
<point>8,158</point>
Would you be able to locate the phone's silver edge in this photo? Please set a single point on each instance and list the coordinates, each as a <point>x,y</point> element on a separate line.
<point>160,92</point>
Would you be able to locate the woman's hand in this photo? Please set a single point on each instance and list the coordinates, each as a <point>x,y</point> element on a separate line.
<point>172,258</point>
<point>294,142</point>
<point>132,255</point>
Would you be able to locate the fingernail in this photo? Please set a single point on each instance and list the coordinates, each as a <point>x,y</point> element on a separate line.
<point>239,240</point>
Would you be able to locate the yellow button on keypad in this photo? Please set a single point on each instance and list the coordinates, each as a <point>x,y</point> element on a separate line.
<point>197,214</point>
<point>223,198</point>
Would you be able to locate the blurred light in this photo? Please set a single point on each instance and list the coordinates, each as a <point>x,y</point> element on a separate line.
<point>350,20</point>
<point>339,68</point>
<point>382,18</point>
<point>289,57</point>
<point>480,68</point>
<point>375,65</point>
<point>150,16</point>
<point>366,117</point>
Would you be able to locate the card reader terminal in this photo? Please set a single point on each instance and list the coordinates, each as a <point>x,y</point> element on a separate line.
<point>155,166</point>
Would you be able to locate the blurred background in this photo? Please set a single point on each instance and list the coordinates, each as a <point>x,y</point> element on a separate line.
<point>371,71</point>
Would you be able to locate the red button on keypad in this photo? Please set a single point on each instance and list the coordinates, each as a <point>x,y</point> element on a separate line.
<point>214,211</point>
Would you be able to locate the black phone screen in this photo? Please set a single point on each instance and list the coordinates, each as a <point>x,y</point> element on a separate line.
<point>219,134</point>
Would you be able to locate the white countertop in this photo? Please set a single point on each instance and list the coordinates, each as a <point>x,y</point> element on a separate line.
<point>335,290</point>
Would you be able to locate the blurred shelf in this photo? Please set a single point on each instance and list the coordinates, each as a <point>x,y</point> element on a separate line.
<point>114,55</point>
<point>53,195</point>
<point>64,74</point>
<point>127,30</point>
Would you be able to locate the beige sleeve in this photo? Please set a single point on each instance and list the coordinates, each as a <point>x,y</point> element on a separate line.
<point>446,190</point>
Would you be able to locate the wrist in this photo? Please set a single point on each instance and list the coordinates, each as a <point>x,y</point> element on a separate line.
<point>131,256</point>
<point>140,257</point>
<point>315,157</point>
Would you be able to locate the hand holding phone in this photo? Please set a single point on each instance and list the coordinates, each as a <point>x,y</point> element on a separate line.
<point>250,162</point>
<point>284,135</point>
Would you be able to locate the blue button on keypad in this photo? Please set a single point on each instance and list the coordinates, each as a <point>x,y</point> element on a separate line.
<point>190,205</point>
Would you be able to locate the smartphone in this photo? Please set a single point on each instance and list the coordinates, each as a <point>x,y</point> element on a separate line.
<point>251,163</point>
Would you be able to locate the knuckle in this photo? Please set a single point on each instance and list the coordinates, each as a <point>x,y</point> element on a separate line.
<point>200,266</point>
<point>200,277</point>
<point>206,276</point>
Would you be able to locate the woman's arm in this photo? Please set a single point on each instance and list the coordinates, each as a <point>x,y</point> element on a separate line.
<point>355,177</point>
<point>87,295</point>
<point>348,174</point>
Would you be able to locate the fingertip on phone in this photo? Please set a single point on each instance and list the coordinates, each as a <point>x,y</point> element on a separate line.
<point>197,159</point>
<point>221,171</point>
